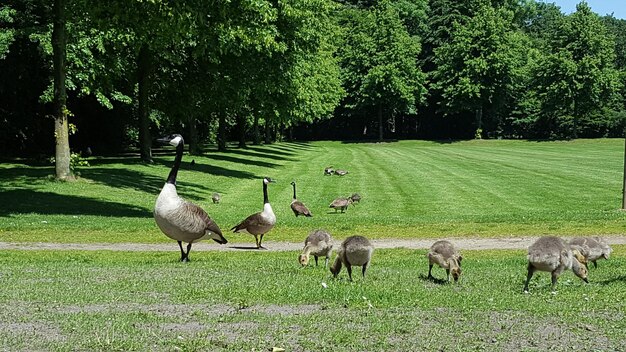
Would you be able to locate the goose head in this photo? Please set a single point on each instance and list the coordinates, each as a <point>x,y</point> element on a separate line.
<point>267,180</point>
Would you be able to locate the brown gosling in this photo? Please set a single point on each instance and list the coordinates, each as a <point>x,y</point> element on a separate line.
<point>554,255</point>
<point>597,248</point>
<point>319,244</point>
<point>354,250</point>
<point>444,254</point>
<point>340,203</point>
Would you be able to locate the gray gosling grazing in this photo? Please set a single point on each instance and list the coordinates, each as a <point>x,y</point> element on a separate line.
<point>339,172</point>
<point>340,203</point>
<point>356,198</point>
<point>319,244</point>
<point>444,254</point>
<point>258,224</point>
<point>297,206</point>
<point>354,250</point>
<point>598,248</point>
<point>554,255</point>
<point>215,197</point>
<point>178,219</point>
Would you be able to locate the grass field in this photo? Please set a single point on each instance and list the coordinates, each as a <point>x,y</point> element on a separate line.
<point>72,300</point>
<point>409,188</point>
<point>68,300</point>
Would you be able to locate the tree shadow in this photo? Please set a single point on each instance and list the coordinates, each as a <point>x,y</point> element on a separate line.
<point>24,201</point>
<point>621,278</point>
<point>207,169</point>
<point>270,150</point>
<point>369,141</point>
<point>15,173</point>
<point>253,153</point>
<point>232,159</point>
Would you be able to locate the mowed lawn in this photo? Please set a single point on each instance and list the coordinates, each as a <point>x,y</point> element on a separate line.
<point>257,300</point>
<point>410,189</point>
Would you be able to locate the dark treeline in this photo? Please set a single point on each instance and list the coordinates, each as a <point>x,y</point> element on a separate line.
<point>258,71</point>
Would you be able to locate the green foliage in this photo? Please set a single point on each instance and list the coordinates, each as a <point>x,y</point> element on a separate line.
<point>6,34</point>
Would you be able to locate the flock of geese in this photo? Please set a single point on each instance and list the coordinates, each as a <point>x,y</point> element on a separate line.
<point>186,222</point>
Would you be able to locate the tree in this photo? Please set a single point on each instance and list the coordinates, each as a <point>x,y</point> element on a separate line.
<point>61,132</point>
<point>379,64</point>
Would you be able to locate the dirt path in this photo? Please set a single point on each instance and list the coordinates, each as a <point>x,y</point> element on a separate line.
<point>461,243</point>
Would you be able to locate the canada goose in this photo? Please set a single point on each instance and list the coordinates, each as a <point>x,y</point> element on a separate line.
<point>215,197</point>
<point>297,206</point>
<point>258,224</point>
<point>598,248</point>
<point>340,203</point>
<point>319,244</point>
<point>356,198</point>
<point>328,170</point>
<point>354,250</point>
<point>178,219</point>
<point>341,172</point>
<point>554,255</point>
<point>447,257</point>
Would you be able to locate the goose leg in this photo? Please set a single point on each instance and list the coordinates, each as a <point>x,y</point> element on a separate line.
<point>555,277</point>
<point>364,268</point>
<point>349,268</point>
<point>187,255</point>
<point>183,256</point>
<point>430,269</point>
<point>595,265</point>
<point>259,246</point>
<point>315,260</point>
<point>531,271</point>
<point>326,262</point>
<point>448,274</point>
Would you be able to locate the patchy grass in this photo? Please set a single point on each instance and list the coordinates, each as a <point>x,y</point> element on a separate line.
<point>409,188</point>
<point>66,300</point>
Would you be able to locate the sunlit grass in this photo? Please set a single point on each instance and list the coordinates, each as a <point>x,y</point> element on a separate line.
<point>409,188</point>
<point>72,300</point>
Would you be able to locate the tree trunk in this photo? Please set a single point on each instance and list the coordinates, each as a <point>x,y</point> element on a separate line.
<point>143,80</point>
<point>194,148</point>
<point>257,133</point>
<point>268,130</point>
<point>61,132</point>
<point>479,123</point>
<point>381,127</point>
<point>221,132</point>
<point>241,129</point>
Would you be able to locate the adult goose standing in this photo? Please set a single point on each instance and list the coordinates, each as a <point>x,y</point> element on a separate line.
<point>297,206</point>
<point>181,220</point>
<point>258,224</point>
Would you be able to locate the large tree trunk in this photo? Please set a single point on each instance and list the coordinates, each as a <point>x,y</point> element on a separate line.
<point>194,148</point>
<point>268,132</point>
<point>256,132</point>
<point>381,127</point>
<point>241,130</point>
<point>61,132</point>
<point>221,132</point>
<point>143,80</point>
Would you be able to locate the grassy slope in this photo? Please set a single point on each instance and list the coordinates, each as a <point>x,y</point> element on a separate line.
<point>409,189</point>
<point>256,300</point>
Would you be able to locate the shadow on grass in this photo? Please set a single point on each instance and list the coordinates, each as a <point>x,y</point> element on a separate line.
<point>254,153</point>
<point>24,201</point>
<point>621,278</point>
<point>433,279</point>
<point>233,159</point>
<point>208,169</point>
<point>15,173</point>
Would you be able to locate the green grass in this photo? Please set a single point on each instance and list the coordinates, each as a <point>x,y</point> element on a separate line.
<point>72,300</point>
<point>409,188</point>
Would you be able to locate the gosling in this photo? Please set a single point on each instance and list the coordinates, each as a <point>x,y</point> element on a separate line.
<point>554,255</point>
<point>597,248</point>
<point>354,250</point>
<point>444,254</point>
<point>319,244</point>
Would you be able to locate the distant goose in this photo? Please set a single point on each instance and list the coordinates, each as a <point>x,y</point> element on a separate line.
<point>178,219</point>
<point>260,223</point>
<point>328,171</point>
<point>319,244</point>
<point>215,197</point>
<point>598,248</point>
<point>354,250</point>
<point>444,254</point>
<point>341,172</point>
<point>340,204</point>
<point>297,206</point>
<point>553,255</point>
